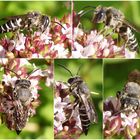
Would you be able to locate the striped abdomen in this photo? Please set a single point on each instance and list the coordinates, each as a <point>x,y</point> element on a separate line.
<point>11,25</point>
<point>85,122</point>
<point>127,34</point>
<point>20,118</point>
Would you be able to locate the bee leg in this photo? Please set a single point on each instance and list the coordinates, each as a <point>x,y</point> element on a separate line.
<point>118,40</point>
<point>16,36</point>
<point>74,106</point>
<point>72,112</point>
<point>101,31</point>
<point>125,44</point>
<point>2,118</point>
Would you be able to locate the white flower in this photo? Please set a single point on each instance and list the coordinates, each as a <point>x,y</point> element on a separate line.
<point>2,52</point>
<point>129,120</point>
<point>3,61</point>
<point>20,42</point>
<point>88,51</point>
<point>45,36</point>
<point>9,80</point>
<point>36,55</point>
<point>67,31</point>
<point>34,92</point>
<point>129,54</point>
<point>61,51</point>
<point>24,62</point>
<point>78,33</point>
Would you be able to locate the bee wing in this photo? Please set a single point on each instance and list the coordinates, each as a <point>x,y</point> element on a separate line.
<point>92,115</point>
<point>12,17</point>
<point>132,26</point>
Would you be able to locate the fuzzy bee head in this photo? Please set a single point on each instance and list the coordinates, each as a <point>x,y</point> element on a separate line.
<point>75,79</point>
<point>100,14</point>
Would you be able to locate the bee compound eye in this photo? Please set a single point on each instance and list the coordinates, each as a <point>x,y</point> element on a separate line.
<point>70,80</point>
<point>17,81</point>
<point>102,13</point>
<point>118,94</point>
<point>36,13</point>
<point>3,83</point>
<point>29,82</point>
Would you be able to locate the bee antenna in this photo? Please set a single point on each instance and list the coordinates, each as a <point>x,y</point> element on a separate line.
<point>58,24</point>
<point>79,69</point>
<point>65,69</point>
<point>93,7</point>
<point>84,11</point>
<point>31,73</point>
<point>12,72</point>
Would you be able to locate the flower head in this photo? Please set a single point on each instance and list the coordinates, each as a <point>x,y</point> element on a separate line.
<point>64,126</point>
<point>119,123</point>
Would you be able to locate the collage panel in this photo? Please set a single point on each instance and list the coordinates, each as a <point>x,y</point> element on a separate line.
<point>39,29</point>
<point>78,99</point>
<point>107,29</point>
<point>45,93</point>
<point>26,98</point>
<point>121,99</point>
<point>69,29</point>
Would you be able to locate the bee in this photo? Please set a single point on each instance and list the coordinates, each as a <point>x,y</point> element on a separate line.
<point>31,20</point>
<point>81,93</point>
<point>115,19</point>
<point>129,97</point>
<point>16,103</point>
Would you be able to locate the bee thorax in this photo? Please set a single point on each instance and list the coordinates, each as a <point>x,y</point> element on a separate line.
<point>132,88</point>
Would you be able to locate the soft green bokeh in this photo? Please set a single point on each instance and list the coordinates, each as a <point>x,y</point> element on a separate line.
<point>40,125</point>
<point>50,8</point>
<point>91,72</point>
<point>116,74</point>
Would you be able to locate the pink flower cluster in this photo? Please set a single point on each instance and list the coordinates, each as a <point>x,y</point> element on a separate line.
<point>95,45</point>
<point>119,124</point>
<point>64,126</point>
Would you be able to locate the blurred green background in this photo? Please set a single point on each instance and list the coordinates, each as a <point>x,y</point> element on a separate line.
<point>50,8</point>
<point>39,126</point>
<point>91,72</point>
<point>116,74</point>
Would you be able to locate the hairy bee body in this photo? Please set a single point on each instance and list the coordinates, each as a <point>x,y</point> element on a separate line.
<point>16,103</point>
<point>20,117</point>
<point>127,34</point>
<point>22,91</point>
<point>16,118</point>
<point>29,21</point>
<point>130,95</point>
<point>113,18</point>
<point>87,112</point>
